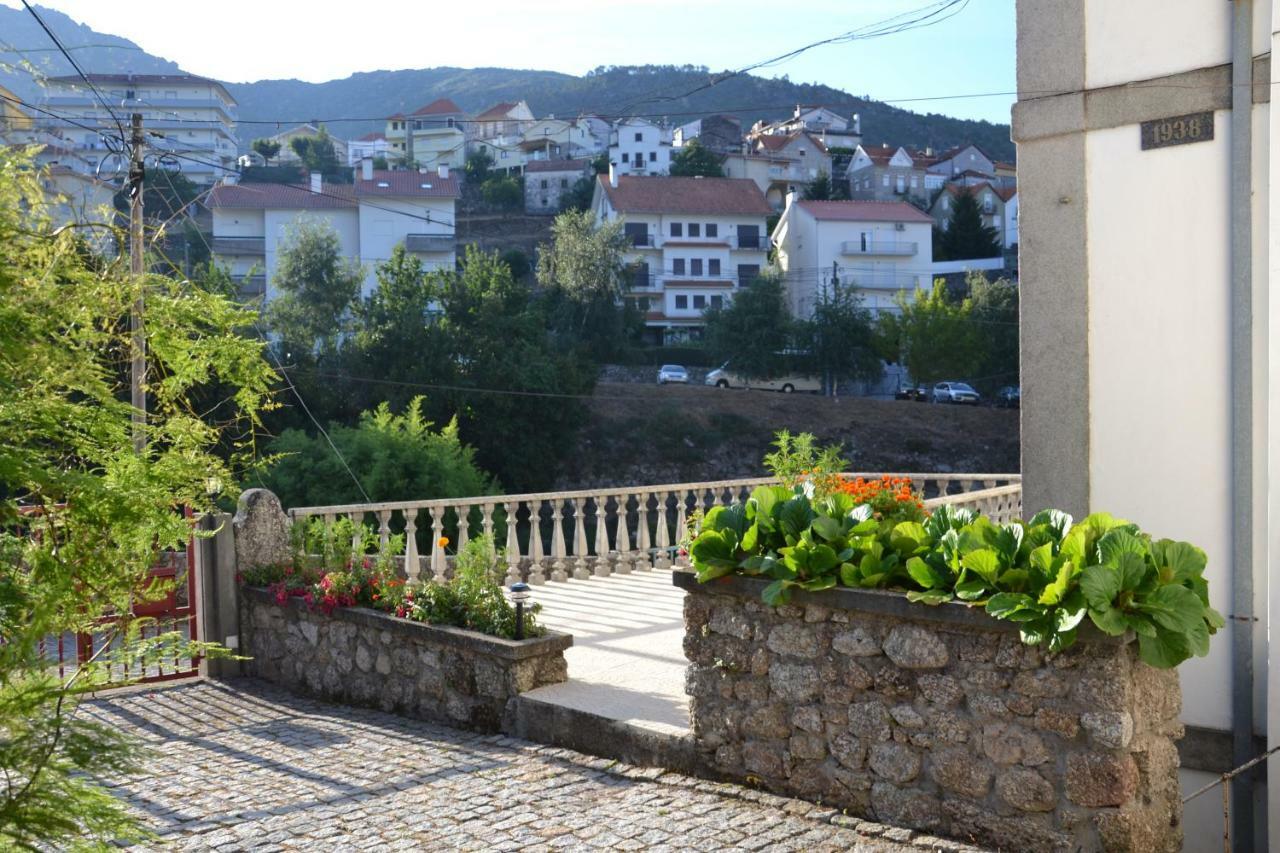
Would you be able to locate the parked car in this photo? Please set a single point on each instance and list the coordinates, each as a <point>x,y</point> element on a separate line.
<point>672,373</point>
<point>919,393</point>
<point>955,392</point>
<point>723,377</point>
<point>1009,397</point>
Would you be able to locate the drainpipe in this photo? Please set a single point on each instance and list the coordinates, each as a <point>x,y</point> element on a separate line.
<point>1242,604</point>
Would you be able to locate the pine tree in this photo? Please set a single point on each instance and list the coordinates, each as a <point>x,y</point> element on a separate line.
<point>965,236</point>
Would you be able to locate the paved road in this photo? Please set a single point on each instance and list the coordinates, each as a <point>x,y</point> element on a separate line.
<point>243,766</point>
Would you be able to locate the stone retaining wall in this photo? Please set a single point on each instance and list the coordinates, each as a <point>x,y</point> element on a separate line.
<point>363,657</point>
<point>934,718</point>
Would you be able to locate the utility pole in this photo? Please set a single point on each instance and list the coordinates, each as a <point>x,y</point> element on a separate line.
<point>138,366</point>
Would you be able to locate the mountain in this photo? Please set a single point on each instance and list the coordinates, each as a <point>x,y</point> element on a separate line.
<point>678,93</point>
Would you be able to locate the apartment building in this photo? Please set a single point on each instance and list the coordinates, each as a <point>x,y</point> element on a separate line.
<point>192,117</point>
<point>694,243</point>
<point>878,249</point>
<point>885,173</point>
<point>380,210</point>
<point>429,137</point>
<point>640,147</point>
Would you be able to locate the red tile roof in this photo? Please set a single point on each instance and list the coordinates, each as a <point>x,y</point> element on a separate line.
<point>579,165</point>
<point>497,111</point>
<point>440,106</point>
<point>663,194</point>
<point>881,155</point>
<point>779,141</point>
<point>281,196</point>
<point>405,183</point>
<point>372,137</point>
<point>864,211</point>
<point>1005,193</point>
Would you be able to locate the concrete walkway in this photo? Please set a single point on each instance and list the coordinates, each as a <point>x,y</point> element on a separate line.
<point>627,662</point>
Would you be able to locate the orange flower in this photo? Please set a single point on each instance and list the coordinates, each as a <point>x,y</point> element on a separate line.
<point>443,541</point>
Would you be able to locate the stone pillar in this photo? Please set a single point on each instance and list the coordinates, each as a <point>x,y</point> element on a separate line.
<point>261,530</point>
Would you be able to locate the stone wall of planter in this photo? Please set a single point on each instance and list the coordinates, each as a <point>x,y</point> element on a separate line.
<point>364,657</point>
<point>934,718</point>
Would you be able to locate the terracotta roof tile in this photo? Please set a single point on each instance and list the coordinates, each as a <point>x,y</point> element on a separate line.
<point>495,112</point>
<point>281,196</point>
<point>405,183</point>
<point>864,211</point>
<point>440,106</point>
<point>372,137</point>
<point>663,194</point>
<point>579,165</point>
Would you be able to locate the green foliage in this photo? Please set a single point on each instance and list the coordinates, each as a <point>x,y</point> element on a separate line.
<point>315,289</point>
<point>396,457</point>
<point>600,165</point>
<point>820,188</point>
<point>95,513</point>
<point>478,166</point>
<point>934,336</point>
<point>798,458</point>
<point>753,331</point>
<point>502,192</point>
<point>266,148</point>
<point>380,163</point>
<point>965,236</point>
<point>1046,574</point>
<point>473,597</point>
<point>166,196</point>
<point>839,339</point>
<point>695,159</point>
<point>518,261</point>
<point>994,313</point>
<point>319,155</point>
<point>579,195</point>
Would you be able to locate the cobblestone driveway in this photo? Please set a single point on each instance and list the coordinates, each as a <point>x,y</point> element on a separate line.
<point>241,766</point>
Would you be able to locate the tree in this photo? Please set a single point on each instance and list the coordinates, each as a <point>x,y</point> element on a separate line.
<point>965,236</point>
<point>933,335</point>
<point>819,189</point>
<point>396,456</point>
<point>753,331</point>
<point>166,195</point>
<point>579,195</point>
<point>695,159</point>
<point>584,275</point>
<point>266,148</point>
<point>316,289</point>
<point>502,192</point>
<point>995,316</point>
<point>84,516</point>
<point>380,163</point>
<point>318,154</point>
<point>518,261</point>
<point>838,340</point>
<point>600,165</point>
<point>478,166</point>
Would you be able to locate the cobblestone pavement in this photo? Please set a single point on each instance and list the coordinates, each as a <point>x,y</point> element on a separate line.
<point>243,766</point>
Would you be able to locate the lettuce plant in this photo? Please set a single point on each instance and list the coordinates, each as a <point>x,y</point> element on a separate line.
<point>1047,574</point>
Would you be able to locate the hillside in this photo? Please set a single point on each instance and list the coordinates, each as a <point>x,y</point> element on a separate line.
<point>368,96</point>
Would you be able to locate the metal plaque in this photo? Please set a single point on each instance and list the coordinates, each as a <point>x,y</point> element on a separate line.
<point>1177,130</point>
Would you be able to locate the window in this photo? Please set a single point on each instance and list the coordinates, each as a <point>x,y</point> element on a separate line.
<point>564,183</point>
<point>544,201</point>
<point>544,183</point>
<point>695,266</point>
<point>886,179</point>
<point>682,301</point>
<point>801,152</point>
<point>699,301</point>
<point>713,266</point>
<point>624,157</point>
<point>914,180</point>
<point>677,266</point>
<point>747,273</point>
<point>640,277</point>
<point>713,230</point>
<point>653,156</point>
<point>638,232</point>
<point>639,137</point>
<point>677,229</point>
<point>695,229</point>
<point>450,123</point>
<point>717,302</point>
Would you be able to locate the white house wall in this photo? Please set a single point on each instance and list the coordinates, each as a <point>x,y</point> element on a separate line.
<point>384,224</point>
<point>277,224</point>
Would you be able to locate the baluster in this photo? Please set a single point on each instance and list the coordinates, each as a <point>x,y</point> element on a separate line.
<point>329,519</point>
<point>513,543</point>
<point>486,522</point>
<point>622,540</point>
<point>559,568</point>
<point>989,484</point>
<point>536,576</point>
<point>663,560</point>
<point>602,568</point>
<point>437,553</point>
<point>682,525</point>
<point>645,558</point>
<point>411,567</point>
<point>463,514</point>
<point>357,535</point>
<point>580,570</point>
<point>384,530</point>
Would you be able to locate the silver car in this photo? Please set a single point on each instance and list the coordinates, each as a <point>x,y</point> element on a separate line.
<point>955,392</point>
<point>672,373</point>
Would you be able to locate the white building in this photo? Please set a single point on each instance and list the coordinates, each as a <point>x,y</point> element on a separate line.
<point>878,249</point>
<point>381,210</point>
<point>557,139</point>
<point>963,158</point>
<point>368,147</point>
<point>194,117</point>
<point>304,131</point>
<point>833,128</point>
<point>639,147</point>
<point>694,243</point>
<point>1150,302</point>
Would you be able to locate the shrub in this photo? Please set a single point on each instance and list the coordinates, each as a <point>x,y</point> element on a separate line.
<point>473,598</point>
<point>1046,574</point>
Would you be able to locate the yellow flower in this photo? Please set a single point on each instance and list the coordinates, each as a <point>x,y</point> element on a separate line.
<point>443,541</point>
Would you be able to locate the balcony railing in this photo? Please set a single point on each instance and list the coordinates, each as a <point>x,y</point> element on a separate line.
<point>558,535</point>
<point>641,241</point>
<point>878,247</point>
<point>428,243</point>
<point>883,280</point>
<point>238,245</point>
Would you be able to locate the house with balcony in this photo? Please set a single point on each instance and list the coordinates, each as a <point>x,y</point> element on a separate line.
<point>303,131</point>
<point>429,137</point>
<point>997,205</point>
<point>780,164</point>
<point>719,133</point>
<point>834,129</point>
<point>552,138</point>
<point>639,147</point>
<point>546,181</point>
<point>694,243</point>
<point>190,116</point>
<point>368,147</point>
<point>380,210</point>
<point>877,249</point>
<point>884,173</point>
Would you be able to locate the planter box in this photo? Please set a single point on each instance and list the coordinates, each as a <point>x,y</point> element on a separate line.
<point>365,657</point>
<point>934,718</point>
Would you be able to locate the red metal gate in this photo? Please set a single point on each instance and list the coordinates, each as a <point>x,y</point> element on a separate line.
<point>176,611</point>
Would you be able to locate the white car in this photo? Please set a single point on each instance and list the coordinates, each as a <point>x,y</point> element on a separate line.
<point>955,392</point>
<point>672,373</point>
<point>722,377</point>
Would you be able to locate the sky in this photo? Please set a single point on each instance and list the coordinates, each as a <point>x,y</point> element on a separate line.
<point>240,41</point>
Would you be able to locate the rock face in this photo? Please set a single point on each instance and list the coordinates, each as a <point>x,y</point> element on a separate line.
<point>362,657</point>
<point>948,725</point>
